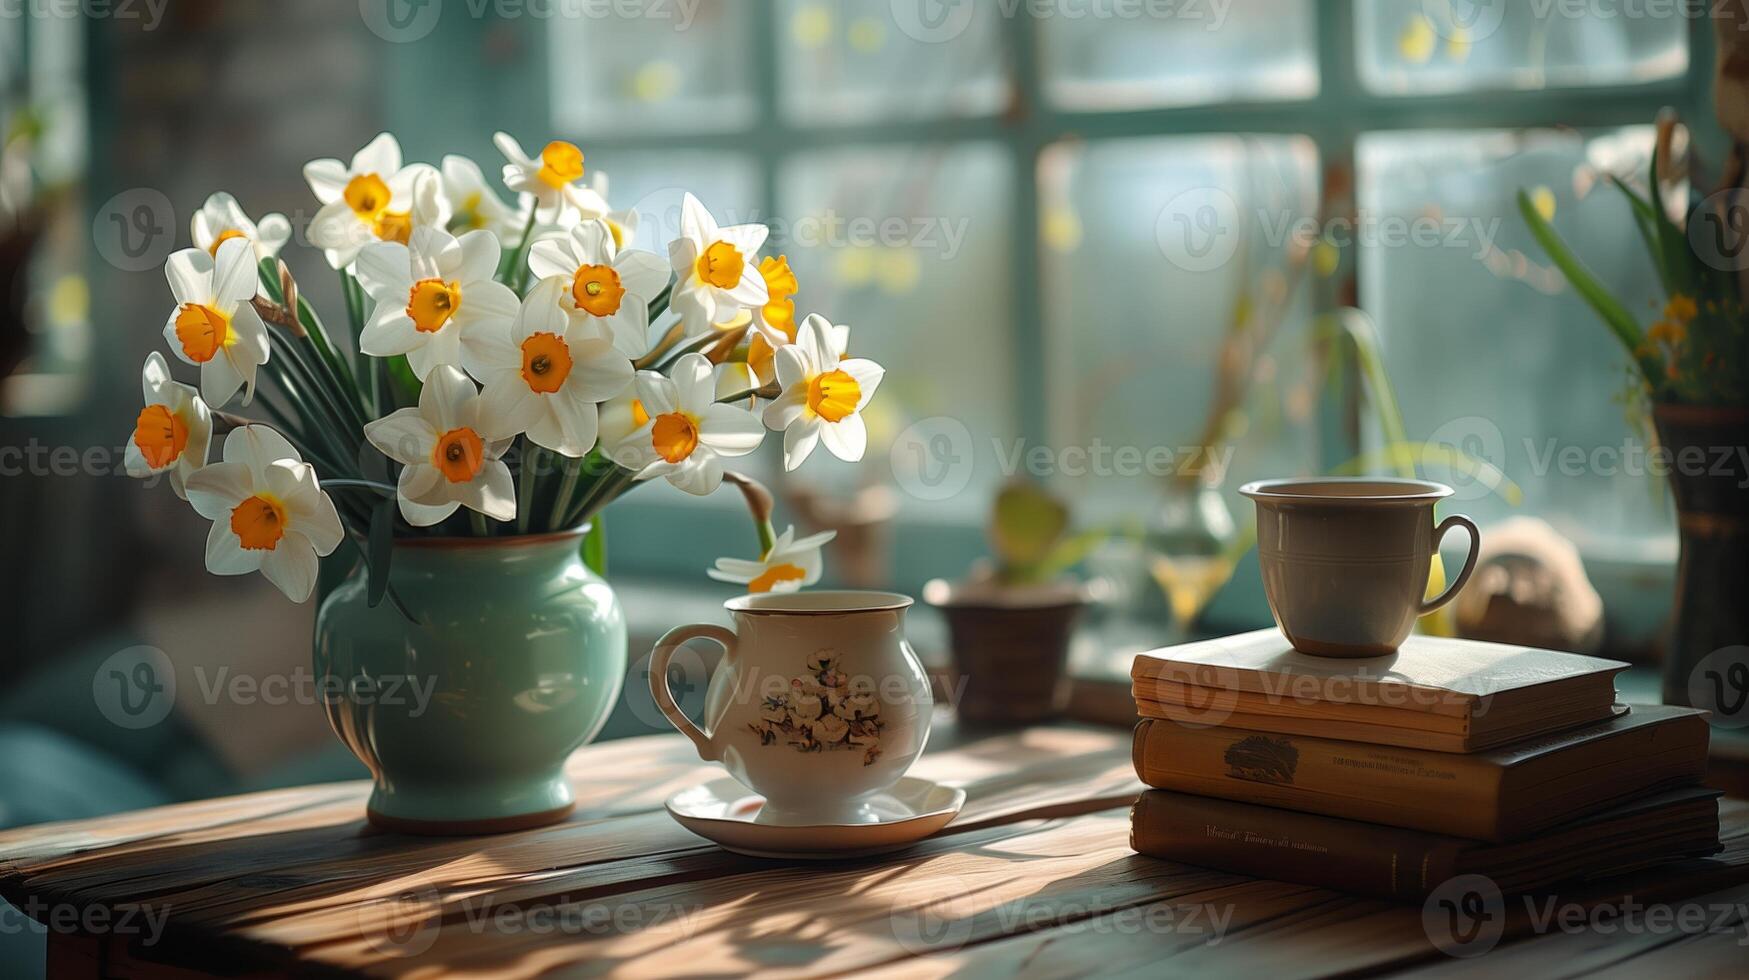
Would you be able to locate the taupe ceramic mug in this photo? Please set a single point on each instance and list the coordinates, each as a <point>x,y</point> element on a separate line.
<point>1345,561</point>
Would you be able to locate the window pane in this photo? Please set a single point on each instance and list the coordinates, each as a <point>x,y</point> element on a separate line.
<point>853,61</point>
<point>911,247</point>
<point>1463,45</point>
<point>1156,252</point>
<point>1179,53</point>
<point>652,184</point>
<point>1488,346</point>
<point>657,71</point>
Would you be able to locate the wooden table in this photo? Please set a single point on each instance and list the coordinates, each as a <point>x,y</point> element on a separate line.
<point>1036,877</point>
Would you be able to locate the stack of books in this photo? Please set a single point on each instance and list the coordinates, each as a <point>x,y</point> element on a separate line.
<point>1388,776</point>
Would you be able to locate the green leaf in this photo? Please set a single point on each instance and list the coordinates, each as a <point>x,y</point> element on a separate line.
<point>1026,525</point>
<point>595,546</point>
<point>1673,244</point>
<point>1614,315</point>
<point>1646,221</point>
<point>382,541</point>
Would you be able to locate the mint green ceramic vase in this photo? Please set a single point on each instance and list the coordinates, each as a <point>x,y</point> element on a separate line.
<point>465,719</point>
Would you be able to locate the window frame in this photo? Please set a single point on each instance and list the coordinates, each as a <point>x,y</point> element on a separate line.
<point>663,537</point>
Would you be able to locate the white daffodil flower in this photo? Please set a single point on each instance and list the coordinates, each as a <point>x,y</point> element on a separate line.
<point>610,286</point>
<point>688,432</point>
<point>547,374</point>
<point>823,394</point>
<point>473,203</point>
<point>214,326</point>
<point>552,179</point>
<point>268,513</point>
<point>174,430</point>
<point>447,461</point>
<point>221,219</point>
<point>715,275</point>
<point>788,566</point>
<point>374,199</point>
<point>436,300</point>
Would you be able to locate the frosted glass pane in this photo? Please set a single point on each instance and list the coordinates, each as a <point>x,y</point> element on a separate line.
<point>656,72</point>
<point>912,248</point>
<point>652,184</point>
<point>1152,249</point>
<point>1489,347</point>
<point>854,61</point>
<point>1463,45</point>
<point>1167,54</point>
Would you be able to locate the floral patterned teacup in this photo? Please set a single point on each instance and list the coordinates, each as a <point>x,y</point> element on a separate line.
<point>819,703</point>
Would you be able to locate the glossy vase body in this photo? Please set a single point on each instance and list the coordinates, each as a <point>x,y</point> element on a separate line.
<point>1710,481</point>
<point>465,718</point>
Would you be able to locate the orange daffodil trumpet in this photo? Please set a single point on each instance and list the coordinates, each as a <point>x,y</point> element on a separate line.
<point>551,178</point>
<point>547,374</point>
<point>500,367</point>
<point>173,430</point>
<point>436,299</point>
<point>447,459</point>
<point>213,326</point>
<point>221,219</point>
<point>607,284</point>
<point>372,199</point>
<point>716,270</point>
<point>268,513</point>
<point>788,565</point>
<point>688,432</point>
<point>824,392</point>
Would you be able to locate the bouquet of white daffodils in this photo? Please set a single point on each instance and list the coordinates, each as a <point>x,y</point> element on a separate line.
<point>510,369</point>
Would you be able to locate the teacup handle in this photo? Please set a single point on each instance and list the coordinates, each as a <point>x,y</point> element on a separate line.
<point>659,657</point>
<point>1457,584</point>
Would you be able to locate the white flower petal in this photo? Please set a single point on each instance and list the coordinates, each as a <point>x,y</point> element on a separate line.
<point>225,554</point>
<point>729,431</point>
<point>404,436</point>
<point>868,377</point>
<point>292,566</point>
<point>425,515</point>
<point>799,441</point>
<point>643,274</point>
<point>789,406</point>
<point>236,276</point>
<point>656,393</point>
<point>508,408</point>
<point>700,474</point>
<point>552,257</point>
<point>190,272</point>
<point>218,488</point>
<point>694,383</point>
<point>846,439</point>
<point>327,179</point>
<point>381,156</point>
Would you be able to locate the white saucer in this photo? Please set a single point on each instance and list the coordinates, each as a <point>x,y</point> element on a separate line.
<point>724,811</point>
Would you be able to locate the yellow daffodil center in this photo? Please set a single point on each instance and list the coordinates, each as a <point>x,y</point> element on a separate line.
<point>161,435</point>
<point>202,331</point>
<point>560,164</point>
<point>675,436</point>
<point>597,290</point>
<point>223,237</point>
<point>618,231</point>
<point>431,302</point>
<point>459,455</point>
<point>833,395</point>
<point>367,196</point>
<point>721,265</point>
<point>775,574</point>
<point>639,415</point>
<point>259,522</point>
<point>468,215</point>
<point>394,226</point>
<point>779,311</point>
<point>546,362</point>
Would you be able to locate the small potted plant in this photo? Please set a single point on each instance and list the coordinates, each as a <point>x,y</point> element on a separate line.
<point>1011,619</point>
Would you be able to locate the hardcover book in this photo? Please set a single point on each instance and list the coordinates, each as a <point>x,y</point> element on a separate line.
<point>1498,795</point>
<point>1408,865</point>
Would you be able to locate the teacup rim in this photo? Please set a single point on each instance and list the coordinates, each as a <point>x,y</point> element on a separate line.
<point>1279,491</point>
<point>805,602</point>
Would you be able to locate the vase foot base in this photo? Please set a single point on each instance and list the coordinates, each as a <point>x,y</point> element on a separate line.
<point>468,828</point>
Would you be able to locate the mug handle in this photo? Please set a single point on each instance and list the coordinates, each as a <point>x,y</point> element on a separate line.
<point>659,657</point>
<point>1457,584</point>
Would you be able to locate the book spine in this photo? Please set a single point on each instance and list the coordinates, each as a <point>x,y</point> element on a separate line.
<point>1265,842</point>
<point>1438,792</point>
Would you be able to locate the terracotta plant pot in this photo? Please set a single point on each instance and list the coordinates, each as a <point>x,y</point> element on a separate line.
<point>1710,480</point>
<point>1010,648</point>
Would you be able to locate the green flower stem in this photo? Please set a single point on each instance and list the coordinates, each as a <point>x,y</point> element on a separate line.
<point>562,499</point>
<point>604,492</point>
<point>659,305</point>
<point>477,521</point>
<point>767,538</point>
<point>517,276</point>
<point>294,357</point>
<point>525,487</point>
<point>382,488</point>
